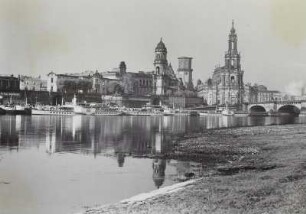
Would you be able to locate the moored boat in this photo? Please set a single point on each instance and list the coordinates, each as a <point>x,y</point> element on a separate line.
<point>203,114</point>
<point>194,114</point>
<point>53,110</point>
<point>227,112</point>
<point>107,112</point>
<point>168,112</point>
<point>137,112</point>
<point>15,109</point>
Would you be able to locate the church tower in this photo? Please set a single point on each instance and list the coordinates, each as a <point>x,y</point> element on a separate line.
<point>161,66</point>
<point>232,57</point>
<point>232,80</point>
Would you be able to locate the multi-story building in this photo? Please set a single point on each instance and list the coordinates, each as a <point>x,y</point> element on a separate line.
<point>260,93</point>
<point>9,89</point>
<point>28,83</point>
<point>87,82</point>
<point>116,73</point>
<point>138,84</point>
<point>226,85</point>
<point>9,84</point>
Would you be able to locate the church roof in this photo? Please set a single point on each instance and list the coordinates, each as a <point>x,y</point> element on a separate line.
<point>161,46</point>
<point>170,70</point>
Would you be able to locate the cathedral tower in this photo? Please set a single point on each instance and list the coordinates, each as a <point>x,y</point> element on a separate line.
<point>232,79</point>
<point>232,57</point>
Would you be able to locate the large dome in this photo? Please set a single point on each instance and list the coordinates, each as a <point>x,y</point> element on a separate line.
<point>161,47</point>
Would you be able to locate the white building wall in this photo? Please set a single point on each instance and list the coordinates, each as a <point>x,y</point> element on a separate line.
<point>52,82</point>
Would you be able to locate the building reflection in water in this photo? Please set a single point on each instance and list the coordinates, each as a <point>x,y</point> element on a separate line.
<point>159,168</point>
<point>130,136</point>
<point>50,142</point>
<point>119,137</point>
<point>9,132</point>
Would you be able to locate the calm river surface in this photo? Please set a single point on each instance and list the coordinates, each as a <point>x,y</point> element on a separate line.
<point>61,164</point>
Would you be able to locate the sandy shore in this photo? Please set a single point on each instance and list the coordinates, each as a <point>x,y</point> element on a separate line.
<point>249,170</point>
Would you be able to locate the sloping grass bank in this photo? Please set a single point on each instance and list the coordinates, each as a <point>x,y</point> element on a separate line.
<point>249,170</point>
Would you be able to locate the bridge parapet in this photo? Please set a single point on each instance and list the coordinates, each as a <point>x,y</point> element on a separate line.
<point>280,102</point>
<point>289,102</point>
<point>277,106</point>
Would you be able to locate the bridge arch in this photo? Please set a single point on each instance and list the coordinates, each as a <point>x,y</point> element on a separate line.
<point>257,109</point>
<point>289,109</point>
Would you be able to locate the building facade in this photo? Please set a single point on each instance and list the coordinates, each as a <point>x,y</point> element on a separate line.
<point>28,83</point>
<point>161,82</point>
<point>9,89</point>
<point>260,94</point>
<point>9,84</point>
<point>226,85</point>
<point>138,84</point>
<point>87,82</point>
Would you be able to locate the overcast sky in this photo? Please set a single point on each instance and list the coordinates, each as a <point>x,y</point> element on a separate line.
<point>37,36</point>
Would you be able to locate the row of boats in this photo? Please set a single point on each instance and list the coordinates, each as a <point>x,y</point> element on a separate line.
<point>99,110</point>
<point>89,110</point>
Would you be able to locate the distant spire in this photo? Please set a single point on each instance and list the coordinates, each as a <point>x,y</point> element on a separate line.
<point>161,39</point>
<point>233,27</point>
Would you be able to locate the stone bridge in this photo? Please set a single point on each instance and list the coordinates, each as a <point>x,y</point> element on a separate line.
<point>293,107</point>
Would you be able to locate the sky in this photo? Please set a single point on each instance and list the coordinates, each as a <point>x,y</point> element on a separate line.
<point>39,36</point>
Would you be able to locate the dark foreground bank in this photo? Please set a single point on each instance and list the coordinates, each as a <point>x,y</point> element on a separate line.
<point>249,170</point>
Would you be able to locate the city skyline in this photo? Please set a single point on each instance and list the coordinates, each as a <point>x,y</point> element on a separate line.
<point>65,36</point>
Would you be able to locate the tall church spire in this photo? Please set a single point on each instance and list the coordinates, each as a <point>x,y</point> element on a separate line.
<point>233,27</point>
<point>232,57</point>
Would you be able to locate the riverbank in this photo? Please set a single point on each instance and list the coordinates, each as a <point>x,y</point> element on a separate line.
<point>249,170</point>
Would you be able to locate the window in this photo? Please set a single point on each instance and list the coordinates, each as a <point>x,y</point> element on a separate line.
<point>157,70</point>
<point>232,79</point>
<point>51,88</point>
<point>52,80</point>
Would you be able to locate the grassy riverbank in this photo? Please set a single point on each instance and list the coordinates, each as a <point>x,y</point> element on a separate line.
<point>249,170</point>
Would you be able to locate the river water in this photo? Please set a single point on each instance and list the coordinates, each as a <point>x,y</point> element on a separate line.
<point>62,164</point>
